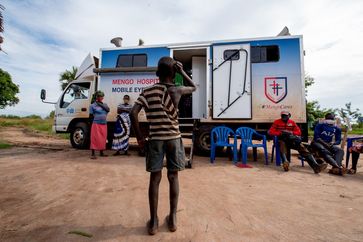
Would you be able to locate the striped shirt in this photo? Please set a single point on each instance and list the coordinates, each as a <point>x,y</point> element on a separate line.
<point>160,112</point>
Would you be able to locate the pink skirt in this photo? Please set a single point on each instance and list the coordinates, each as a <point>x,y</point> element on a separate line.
<point>98,136</point>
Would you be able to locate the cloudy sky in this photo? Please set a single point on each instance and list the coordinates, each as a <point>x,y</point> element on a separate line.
<point>44,38</point>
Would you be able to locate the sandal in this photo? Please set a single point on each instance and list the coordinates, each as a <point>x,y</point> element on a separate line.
<point>351,171</point>
<point>336,171</point>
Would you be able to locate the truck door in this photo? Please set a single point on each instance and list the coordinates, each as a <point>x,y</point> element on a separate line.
<point>231,85</point>
<point>74,103</point>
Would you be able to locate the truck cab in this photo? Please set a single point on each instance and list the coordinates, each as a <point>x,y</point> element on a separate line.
<point>72,108</point>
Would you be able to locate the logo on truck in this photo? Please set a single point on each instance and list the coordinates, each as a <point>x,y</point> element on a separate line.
<point>275,88</point>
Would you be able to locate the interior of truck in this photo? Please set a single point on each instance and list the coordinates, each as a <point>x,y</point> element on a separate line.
<point>194,61</point>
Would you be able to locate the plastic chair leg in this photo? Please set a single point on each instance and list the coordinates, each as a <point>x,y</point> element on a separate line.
<point>212,154</point>
<point>254,152</point>
<point>235,159</point>
<point>272,153</point>
<point>266,157</point>
<point>244,155</point>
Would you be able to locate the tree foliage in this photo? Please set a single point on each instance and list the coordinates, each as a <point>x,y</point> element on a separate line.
<point>67,76</point>
<point>1,24</point>
<point>348,113</point>
<point>8,90</point>
<point>314,111</point>
<point>309,81</point>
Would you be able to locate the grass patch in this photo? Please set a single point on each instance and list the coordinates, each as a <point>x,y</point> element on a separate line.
<point>31,122</point>
<point>4,145</point>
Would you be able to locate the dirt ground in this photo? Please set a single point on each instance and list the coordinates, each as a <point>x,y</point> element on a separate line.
<point>48,189</point>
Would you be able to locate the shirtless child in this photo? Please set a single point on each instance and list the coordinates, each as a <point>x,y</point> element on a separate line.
<point>160,103</point>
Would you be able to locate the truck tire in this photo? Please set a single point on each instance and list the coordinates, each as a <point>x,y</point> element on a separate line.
<point>80,136</point>
<point>202,140</point>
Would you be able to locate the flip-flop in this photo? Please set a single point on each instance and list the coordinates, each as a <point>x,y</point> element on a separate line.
<point>352,171</point>
<point>170,226</point>
<point>152,231</point>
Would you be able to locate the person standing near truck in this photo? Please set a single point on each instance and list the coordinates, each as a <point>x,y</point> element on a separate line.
<point>160,103</point>
<point>289,134</point>
<point>98,114</point>
<point>122,127</point>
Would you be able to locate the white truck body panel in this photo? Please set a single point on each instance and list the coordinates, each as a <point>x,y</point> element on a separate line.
<point>260,89</point>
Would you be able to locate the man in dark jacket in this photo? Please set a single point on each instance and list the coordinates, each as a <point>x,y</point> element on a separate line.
<point>289,134</point>
<point>325,147</point>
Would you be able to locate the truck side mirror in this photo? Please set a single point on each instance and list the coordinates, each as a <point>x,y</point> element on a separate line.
<point>43,94</point>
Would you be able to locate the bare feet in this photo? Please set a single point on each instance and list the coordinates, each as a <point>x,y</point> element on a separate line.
<point>285,165</point>
<point>93,157</point>
<point>152,226</point>
<point>171,222</point>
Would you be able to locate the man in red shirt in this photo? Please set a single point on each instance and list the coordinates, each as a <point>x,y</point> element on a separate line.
<point>289,135</point>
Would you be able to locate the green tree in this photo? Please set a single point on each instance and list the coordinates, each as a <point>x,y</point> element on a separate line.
<point>1,24</point>
<point>309,81</point>
<point>8,90</point>
<point>348,113</point>
<point>51,114</point>
<point>314,111</point>
<point>67,76</point>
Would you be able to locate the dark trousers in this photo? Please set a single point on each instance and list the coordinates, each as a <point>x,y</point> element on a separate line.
<point>292,142</point>
<point>333,155</point>
<point>355,158</point>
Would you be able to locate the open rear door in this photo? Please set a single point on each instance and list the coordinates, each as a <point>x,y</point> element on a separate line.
<point>232,82</point>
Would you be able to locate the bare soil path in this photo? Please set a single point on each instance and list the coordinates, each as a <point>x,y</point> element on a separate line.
<point>48,189</point>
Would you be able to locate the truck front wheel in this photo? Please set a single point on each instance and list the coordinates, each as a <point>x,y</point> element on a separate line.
<point>80,136</point>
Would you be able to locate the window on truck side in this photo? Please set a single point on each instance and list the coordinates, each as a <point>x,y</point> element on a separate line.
<point>135,60</point>
<point>75,91</point>
<point>231,55</point>
<point>263,54</point>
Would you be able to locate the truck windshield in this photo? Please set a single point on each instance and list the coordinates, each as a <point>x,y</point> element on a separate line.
<point>73,92</point>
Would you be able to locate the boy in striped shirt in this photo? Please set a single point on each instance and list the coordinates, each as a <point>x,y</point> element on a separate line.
<point>160,103</point>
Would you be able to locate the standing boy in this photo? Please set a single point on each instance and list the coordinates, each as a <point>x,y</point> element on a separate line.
<point>160,103</point>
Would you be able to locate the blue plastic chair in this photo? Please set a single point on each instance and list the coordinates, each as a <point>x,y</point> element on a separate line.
<point>276,148</point>
<point>246,135</point>
<point>220,137</point>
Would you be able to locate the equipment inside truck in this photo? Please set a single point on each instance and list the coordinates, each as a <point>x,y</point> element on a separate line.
<point>194,61</point>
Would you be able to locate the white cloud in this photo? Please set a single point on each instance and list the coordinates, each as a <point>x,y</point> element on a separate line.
<point>43,38</point>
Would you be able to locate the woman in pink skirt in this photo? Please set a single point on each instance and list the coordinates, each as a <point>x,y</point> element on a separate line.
<point>98,112</point>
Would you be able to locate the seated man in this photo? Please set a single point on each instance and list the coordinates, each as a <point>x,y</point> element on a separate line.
<point>324,145</point>
<point>289,138</point>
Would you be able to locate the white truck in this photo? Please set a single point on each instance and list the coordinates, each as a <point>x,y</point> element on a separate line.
<point>241,82</point>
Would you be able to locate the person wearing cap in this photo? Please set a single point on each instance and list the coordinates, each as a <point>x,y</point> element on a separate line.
<point>121,134</point>
<point>289,136</point>
<point>327,148</point>
<point>98,114</point>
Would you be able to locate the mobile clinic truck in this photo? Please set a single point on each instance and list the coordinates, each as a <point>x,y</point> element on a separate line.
<point>241,82</point>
